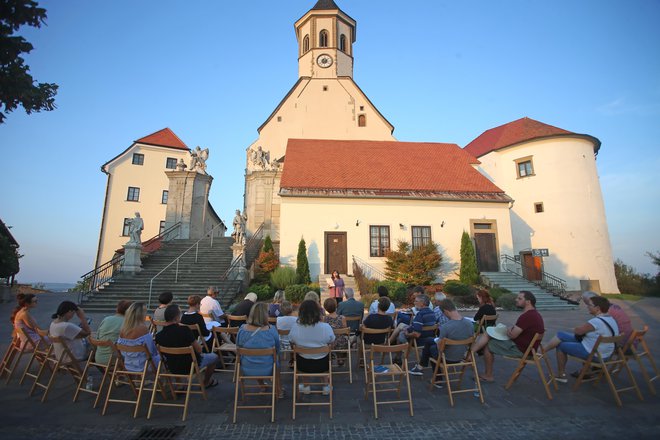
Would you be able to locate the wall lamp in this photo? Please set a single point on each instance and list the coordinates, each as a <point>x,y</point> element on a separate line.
<point>401,225</point>
<point>442,225</point>
<point>357,222</point>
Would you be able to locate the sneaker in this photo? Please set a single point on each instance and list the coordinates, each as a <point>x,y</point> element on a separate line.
<point>438,385</point>
<point>417,370</point>
<point>326,390</point>
<point>562,378</point>
<point>304,389</point>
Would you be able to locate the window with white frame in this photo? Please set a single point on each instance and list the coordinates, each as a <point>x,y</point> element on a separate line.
<point>379,240</point>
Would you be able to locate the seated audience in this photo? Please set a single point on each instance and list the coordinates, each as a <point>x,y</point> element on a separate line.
<point>581,341</point>
<point>382,293</point>
<point>72,334</point>
<point>520,335</point>
<point>21,318</point>
<point>109,331</point>
<point>210,309</point>
<point>284,322</point>
<point>243,308</point>
<point>423,318</point>
<point>486,307</point>
<point>456,328</point>
<point>310,332</point>
<point>164,300</point>
<point>620,316</point>
<point>351,307</point>
<point>258,333</point>
<point>134,332</point>
<point>380,320</point>
<point>192,316</point>
<point>336,321</point>
<point>174,335</point>
<point>313,296</point>
<point>440,317</point>
<point>274,307</point>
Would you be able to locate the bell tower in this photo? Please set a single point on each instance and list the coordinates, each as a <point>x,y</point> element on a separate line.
<point>325,42</point>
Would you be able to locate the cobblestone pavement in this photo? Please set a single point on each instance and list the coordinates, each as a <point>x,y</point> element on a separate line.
<point>521,412</point>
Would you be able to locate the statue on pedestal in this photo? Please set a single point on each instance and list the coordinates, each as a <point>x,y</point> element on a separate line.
<point>181,166</point>
<point>240,220</point>
<point>198,160</point>
<point>135,227</point>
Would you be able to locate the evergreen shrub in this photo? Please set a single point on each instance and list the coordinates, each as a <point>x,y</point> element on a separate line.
<point>295,293</point>
<point>397,291</point>
<point>507,301</point>
<point>456,288</point>
<point>496,292</point>
<point>282,277</point>
<point>264,292</point>
<point>302,264</point>
<point>469,274</point>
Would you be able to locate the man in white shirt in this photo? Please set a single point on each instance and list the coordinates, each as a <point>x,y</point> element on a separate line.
<point>210,308</point>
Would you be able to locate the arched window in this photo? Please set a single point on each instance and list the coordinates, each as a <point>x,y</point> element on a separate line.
<point>362,120</point>
<point>323,38</point>
<point>342,43</point>
<point>306,44</point>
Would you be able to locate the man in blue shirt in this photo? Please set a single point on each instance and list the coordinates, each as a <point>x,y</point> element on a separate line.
<point>424,317</point>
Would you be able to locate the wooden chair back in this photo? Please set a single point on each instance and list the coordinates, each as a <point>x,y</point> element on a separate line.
<point>390,379</point>
<point>106,368</point>
<point>248,389</point>
<point>316,378</point>
<point>533,356</point>
<point>637,348</point>
<point>451,374</point>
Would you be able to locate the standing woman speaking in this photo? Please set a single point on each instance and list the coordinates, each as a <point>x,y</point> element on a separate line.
<point>337,288</point>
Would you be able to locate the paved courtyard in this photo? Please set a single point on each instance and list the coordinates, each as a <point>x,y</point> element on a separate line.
<point>523,412</point>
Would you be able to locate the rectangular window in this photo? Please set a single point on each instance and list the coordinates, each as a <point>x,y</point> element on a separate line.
<point>162,227</point>
<point>126,228</point>
<point>138,159</point>
<point>163,199</point>
<point>170,163</point>
<point>538,207</point>
<point>379,240</point>
<point>421,236</point>
<point>133,194</point>
<point>524,167</point>
<point>482,226</point>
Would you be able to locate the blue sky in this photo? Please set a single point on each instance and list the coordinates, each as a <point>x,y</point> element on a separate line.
<point>212,71</point>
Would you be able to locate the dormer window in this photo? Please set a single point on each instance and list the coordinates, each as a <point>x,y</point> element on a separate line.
<point>342,43</point>
<point>306,44</point>
<point>323,38</point>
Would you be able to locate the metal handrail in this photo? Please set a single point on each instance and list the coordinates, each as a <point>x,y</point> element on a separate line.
<point>253,244</point>
<point>368,270</point>
<point>176,260</point>
<point>548,281</point>
<point>105,272</point>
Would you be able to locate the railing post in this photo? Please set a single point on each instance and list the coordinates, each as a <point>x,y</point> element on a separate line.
<point>196,251</point>
<point>151,285</point>
<point>176,273</point>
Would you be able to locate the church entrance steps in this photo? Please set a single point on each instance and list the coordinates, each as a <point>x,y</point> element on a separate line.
<point>193,278</point>
<point>545,300</point>
<point>349,281</point>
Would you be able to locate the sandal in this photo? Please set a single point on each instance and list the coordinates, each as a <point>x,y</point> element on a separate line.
<point>213,383</point>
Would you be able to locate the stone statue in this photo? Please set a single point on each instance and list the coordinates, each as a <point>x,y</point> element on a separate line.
<point>260,158</point>
<point>181,166</point>
<point>135,227</point>
<point>198,159</point>
<point>239,223</point>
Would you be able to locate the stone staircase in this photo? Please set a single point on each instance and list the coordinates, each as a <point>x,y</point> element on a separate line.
<point>510,281</point>
<point>193,278</point>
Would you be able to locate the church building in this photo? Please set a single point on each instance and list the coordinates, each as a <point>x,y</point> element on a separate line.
<point>526,190</point>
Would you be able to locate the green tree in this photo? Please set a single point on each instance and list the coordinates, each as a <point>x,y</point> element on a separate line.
<point>302,264</point>
<point>413,266</point>
<point>9,256</point>
<point>17,87</point>
<point>268,244</point>
<point>469,274</point>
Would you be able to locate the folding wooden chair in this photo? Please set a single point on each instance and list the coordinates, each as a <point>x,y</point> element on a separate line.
<point>236,320</point>
<point>390,372</point>
<point>485,321</point>
<point>120,371</point>
<point>153,329</point>
<point>250,389</point>
<point>272,320</point>
<point>39,355</point>
<point>366,348</point>
<point>226,351</point>
<point>180,380</point>
<point>605,367</point>
<point>16,350</point>
<point>316,377</point>
<point>637,348</point>
<point>65,363</point>
<point>196,330</point>
<point>286,354</point>
<point>353,335</point>
<point>453,372</point>
<point>347,351</point>
<point>413,341</point>
<point>91,362</point>
<point>533,356</point>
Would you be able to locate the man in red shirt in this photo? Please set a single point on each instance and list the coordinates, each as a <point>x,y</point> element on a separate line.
<point>519,336</point>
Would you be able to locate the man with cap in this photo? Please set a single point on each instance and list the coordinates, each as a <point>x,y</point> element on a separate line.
<point>513,341</point>
<point>243,308</point>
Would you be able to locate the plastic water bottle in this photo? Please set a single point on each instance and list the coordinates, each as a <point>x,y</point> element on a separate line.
<point>89,385</point>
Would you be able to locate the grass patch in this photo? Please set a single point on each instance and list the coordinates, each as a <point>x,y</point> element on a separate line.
<point>623,296</point>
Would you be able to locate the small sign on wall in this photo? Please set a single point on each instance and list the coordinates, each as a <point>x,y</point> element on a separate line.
<point>540,252</point>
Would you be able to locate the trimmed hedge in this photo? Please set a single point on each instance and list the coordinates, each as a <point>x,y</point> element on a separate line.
<point>397,291</point>
<point>282,277</point>
<point>507,301</point>
<point>496,292</point>
<point>456,288</point>
<point>264,291</point>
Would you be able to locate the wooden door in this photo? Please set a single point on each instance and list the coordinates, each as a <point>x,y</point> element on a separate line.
<point>336,252</point>
<point>486,250</point>
<point>532,267</point>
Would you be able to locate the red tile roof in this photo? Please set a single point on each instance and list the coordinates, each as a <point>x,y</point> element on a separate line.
<point>380,168</point>
<point>163,138</point>
<point>521,130</point>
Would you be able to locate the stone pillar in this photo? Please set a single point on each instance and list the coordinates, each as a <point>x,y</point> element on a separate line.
<point>187,202</point>
<point>132,258</point>
<point>262,202</point>
<point>239,272</point>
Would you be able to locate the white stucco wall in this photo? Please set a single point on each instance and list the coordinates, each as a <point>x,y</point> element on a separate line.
<point>311,217</point>
<point>151,180</point>
<point>573,225</point>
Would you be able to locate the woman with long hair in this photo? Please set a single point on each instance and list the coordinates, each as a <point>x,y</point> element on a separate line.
<point>71,333</point>
<point>336,321</point>
<point>22,319</point>
<point>486,307</point>
<point>274,307</point>
<point>337,289</point>
<point>135,332</point>
<point>258,333</point>
<point>310,332</point>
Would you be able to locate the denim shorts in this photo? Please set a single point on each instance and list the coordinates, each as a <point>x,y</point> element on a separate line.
<point>208,359</point>
<point>571,346</point>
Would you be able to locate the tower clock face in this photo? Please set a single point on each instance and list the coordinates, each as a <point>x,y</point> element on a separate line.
<point>324,60</point>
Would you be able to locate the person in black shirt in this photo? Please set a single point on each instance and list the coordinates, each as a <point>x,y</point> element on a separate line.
<point>175,335</point>
<point>243,308</point>
<point>486,307</point>
<point>380,320</point>
<point>192,316</point>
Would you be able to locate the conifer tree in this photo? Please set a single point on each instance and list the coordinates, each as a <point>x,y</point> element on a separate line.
<point>469,274</point>
<point>302,266</point>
